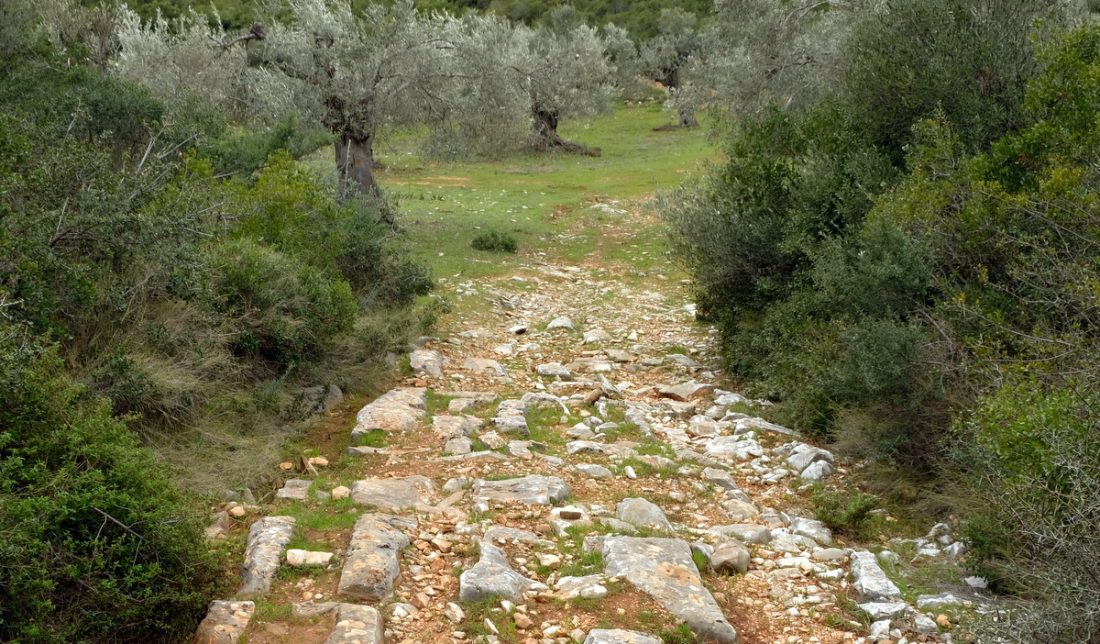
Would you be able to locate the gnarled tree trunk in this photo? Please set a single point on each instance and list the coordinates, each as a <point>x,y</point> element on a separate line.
<point>546,128</point>
<point>355,165</point>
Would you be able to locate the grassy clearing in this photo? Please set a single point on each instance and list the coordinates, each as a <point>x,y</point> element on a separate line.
<point>546,202</point>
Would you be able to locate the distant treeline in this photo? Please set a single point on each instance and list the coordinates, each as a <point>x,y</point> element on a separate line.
<point>639,17</point>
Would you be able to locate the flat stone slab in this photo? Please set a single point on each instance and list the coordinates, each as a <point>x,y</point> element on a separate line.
<point>397,410</point>
<point>492,576</point>
<point>587,587</point>
<point>466,401</point>
<point>224,623</point>
<point>685,391</point>
<point>371,563</point>
<point>451,426</point>
<point>745,532</point>
<point>871,584</point>
<point>749,424</point>
<point>267,539</point>
<point>618,636</point>
<point>485,366</point>
<point>593,471</point>
<point>425,362</point>
<point>529,490</point>
<point>643,514</point>
<point>294,489</point>
<point>394,495</point>
<point>663,569</point>
<point>356,625</point>
<point>740,448</point>
<point>502,534</point>
<point>554,370</point>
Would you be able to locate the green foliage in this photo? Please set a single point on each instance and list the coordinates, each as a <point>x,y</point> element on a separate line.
<point>97,542</point>
<point>845,513</point>
<point>171,299</point>
<point>494,241</point>
<point>243,152</point>
<point>279,311</point>
<point>910,267</point>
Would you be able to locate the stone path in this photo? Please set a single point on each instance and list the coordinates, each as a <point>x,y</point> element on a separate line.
<point>563,465</point>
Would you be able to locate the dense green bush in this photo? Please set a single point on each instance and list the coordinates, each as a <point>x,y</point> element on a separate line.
<point>277,309</point>
<point>494,241</point>
<point>97,543</point>
<point>171,295</point>
<point>938,312</point>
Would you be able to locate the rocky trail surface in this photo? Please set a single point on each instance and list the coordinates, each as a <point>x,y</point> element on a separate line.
<point>562,465</point>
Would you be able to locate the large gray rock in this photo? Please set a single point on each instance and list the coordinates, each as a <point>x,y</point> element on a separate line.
<point>587,587</point>
<point>492,576</point>
<point>467,401</point>
<point>485,366</point>
<point>584,447</point>
<point>720,478</point>
<point>453,426</point>
<point>356,625</point>
<point>398,410</point>
<point>739,510</point>
<point>759,424</point>
<point>803,455</point>
<point>561,322</point>
<point>817,471</point>
<point>267,539</point>
<point>871,584</point>
<point>745,532</point>
<point>529,490</point>
<point>394,495</point>
<point>813,529</point>
<point>371,563</point>
<point>643,514</point>
<point>554,370</point>
<point>618,636</point>
<point>593,471</point>
<point>425,362</point>
<point>294,489</point>
<point>729,557</point>
<point>224,623</point>
<point>663,568</point>
<point>685,391</point>
<point>510,421</point>
<point>740,448</point>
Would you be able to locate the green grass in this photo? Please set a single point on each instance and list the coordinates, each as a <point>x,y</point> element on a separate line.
<point>543,423</point>
<point>644,469</point>
<point>543,200</point>
<point>476,614</point>
<point>586,563</point>
<point>332,516</point>
<point>655,448</point>
<point>373,438</point>
<point>437,403</point>
<point>268,611</point>
<point>700,560</point>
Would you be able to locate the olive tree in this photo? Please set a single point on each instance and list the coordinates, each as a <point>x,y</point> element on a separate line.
<point>190,64</point>
<point>756,53</point>
<point>519,82</point>
<point>357,72</point>
<point>664,56</point>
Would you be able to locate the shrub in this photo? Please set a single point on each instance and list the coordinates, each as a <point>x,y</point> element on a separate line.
<point>97,544</point>
<point>1033,452</point>
<point>844,513</point>
<point>280,311</point>
<point>495,241</point>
